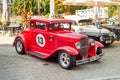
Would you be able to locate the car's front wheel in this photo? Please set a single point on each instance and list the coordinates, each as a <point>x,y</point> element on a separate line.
<point>19,46</point>
<point>66,60</point>
<point>99,51</point>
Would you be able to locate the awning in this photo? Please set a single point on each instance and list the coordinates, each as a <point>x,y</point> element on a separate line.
<point>90,2</point>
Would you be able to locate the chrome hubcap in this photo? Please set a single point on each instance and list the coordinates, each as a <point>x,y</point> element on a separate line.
<point>19,46</point>
<point>64,59</point>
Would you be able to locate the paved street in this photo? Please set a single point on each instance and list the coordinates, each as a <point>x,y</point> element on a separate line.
<point>25,67</point>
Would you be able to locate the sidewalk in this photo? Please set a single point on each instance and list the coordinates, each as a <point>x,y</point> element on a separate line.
<point>6,39</point>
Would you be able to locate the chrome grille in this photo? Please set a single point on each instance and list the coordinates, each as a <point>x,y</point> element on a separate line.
<point>84,47</point>
<point>107,37</point>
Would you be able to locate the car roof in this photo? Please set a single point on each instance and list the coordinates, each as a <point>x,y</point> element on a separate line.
<point>75,18</point>
<point>50,20</point>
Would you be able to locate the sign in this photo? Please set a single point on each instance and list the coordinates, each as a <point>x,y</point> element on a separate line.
<point>40,40</point>
<point>91,13</point>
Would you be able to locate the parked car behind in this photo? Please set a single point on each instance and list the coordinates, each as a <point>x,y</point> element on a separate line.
<point>87,27</point>
<point>115,29</point>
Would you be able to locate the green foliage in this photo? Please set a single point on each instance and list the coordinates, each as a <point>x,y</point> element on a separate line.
<point>112,11</point>
<point>19,7</point>
<point>44,7</point>
<point>60,8</point>
<point>46,16</point>
<point>30,6</point>
<point>4,24</point>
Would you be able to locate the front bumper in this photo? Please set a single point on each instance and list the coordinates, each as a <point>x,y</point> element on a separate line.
<point>86,60</point>
<point>106,39</point>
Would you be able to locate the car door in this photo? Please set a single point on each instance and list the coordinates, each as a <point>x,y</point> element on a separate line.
<point>42,38</point>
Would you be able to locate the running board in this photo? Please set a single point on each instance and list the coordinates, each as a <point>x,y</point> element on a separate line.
<point>37,54</point>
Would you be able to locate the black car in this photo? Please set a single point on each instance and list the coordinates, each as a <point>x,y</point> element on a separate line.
<point>86,26</point>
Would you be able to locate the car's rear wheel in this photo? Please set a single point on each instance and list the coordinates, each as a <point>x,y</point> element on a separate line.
<point>66,60</point>
<point>19,46</point>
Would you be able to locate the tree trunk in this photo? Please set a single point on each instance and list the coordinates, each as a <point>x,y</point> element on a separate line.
<point>5,11</point>
<point>38,4</point>
<point>52,4</point>
<point>5,17</point>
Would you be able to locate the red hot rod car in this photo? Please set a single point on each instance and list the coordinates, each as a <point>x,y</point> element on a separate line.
<point>53,37</point>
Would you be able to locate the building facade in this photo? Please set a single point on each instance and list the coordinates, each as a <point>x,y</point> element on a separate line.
<point>10,2</point>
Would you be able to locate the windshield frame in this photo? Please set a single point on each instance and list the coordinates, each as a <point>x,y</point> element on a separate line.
<point>86,22</point>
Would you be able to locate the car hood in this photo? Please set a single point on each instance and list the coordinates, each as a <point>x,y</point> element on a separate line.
<point>70,35</point>
<point>94,30</point>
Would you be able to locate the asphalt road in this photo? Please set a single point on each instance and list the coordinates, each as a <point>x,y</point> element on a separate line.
<point>25,67</point>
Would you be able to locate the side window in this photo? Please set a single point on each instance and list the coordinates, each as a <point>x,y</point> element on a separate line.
<point>74,23</point>
<point>65,25</point>
<point>32,24</point>
<point>41,25</point>
<point>54,26</point>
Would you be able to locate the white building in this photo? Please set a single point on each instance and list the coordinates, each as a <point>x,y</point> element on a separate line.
<point>91,13</point>
<point>10,2</point>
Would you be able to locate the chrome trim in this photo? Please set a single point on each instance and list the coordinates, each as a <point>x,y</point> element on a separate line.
<point>84,47</point>
<point>86,60</point>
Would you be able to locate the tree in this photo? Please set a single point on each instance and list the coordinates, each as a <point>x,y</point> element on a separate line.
<point>60,8</point>
<point>112,11</point>
<point>5,11</point>
<point>44,6</point>
<point>24,5</point>
<point>31,6</point>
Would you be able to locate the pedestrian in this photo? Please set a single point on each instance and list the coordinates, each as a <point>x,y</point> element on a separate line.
<point>97,23</point>
<point>112,22</point>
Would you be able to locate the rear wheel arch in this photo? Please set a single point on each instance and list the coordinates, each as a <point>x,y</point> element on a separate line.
<point>24,40</point>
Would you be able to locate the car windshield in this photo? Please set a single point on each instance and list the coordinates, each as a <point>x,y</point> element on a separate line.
<point>56,26</point>
<point>85,22</point>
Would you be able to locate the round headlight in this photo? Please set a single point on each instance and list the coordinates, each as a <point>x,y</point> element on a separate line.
<point>114,36</point>
<point>78,45</point>
<point>101,38</point>
<point>92,42</point>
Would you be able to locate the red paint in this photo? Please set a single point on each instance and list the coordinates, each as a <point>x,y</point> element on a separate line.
<point>50,42</point>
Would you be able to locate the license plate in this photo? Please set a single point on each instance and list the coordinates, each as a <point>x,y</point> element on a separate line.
<point>93,59</point>
<point>109,41</point>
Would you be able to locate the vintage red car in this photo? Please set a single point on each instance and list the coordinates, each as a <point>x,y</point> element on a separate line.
<point>53,37</point>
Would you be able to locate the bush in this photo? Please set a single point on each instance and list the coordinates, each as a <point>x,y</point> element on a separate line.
<point>4,24</point>
<point>47,15</point>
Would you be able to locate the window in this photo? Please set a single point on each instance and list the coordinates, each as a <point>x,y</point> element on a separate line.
<point>41,25</point>
<point>64,25</point>
<point>74,23</point>
<point>32,24</point>
<point>54,26</point>
<point>57,26</point>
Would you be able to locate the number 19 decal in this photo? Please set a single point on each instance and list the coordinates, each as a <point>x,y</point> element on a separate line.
<point>40,40</point>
